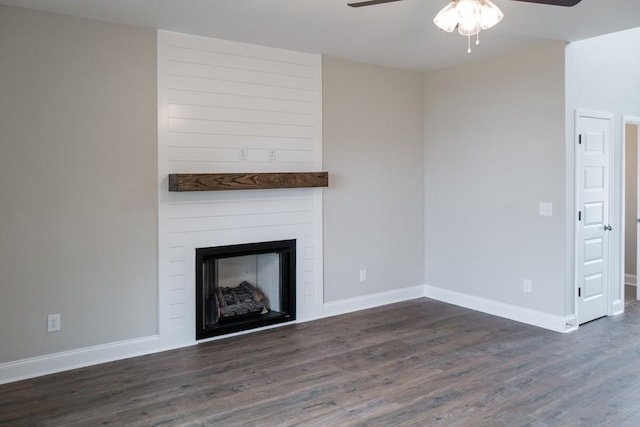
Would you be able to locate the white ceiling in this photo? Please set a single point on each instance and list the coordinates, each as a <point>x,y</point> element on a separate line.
<point>397,34</point>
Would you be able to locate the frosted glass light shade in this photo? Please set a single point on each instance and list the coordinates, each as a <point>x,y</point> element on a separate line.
<point>490,14</point>
<point>469,28</point>
<point>468,17</point>
<point>447,18</point>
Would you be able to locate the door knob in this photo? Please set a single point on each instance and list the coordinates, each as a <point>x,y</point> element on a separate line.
<point>607,228</point>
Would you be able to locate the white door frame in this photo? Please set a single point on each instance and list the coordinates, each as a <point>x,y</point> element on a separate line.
<point>633,120</point>
<point>613,303</point>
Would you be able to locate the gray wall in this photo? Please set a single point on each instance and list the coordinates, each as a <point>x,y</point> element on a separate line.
<point>494,149</point>
<point>631,198</point>
<point>373,149</point>
<point>78,195</point>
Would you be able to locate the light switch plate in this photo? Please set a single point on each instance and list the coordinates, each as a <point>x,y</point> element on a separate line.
<point>546,209</point>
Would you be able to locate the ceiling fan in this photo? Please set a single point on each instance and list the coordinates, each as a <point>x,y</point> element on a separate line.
<point>567,3</point>
<point>469,17</point>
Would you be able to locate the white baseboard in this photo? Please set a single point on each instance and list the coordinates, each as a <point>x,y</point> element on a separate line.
<point>617,307</point>
<point>64,361</point>
<point>350,305</point>
<point>508,311</point>
<point>630,279</point>
<point>73,359</point>
<point>571,323</point>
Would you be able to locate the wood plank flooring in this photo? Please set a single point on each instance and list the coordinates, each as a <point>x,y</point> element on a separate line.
<point>416,363</point>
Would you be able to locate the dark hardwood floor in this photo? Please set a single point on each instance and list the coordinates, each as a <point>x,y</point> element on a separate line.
<point>414,363</point>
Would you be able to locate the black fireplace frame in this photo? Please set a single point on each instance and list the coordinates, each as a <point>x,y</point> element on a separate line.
<point>287,251</point>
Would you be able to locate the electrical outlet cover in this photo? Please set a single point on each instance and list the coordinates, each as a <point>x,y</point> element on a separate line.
<point>53,323</point>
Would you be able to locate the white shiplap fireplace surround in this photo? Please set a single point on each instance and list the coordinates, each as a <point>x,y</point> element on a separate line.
<point>233,107</point>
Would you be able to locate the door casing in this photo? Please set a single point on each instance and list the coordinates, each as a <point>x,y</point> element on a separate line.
<point>633,120</point>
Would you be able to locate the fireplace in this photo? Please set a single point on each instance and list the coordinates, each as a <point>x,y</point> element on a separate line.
<point>241,287</point>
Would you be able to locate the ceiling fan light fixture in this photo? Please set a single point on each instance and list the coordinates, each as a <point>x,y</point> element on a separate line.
<point>468,16</point>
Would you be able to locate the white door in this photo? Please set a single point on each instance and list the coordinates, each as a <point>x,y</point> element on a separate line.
<point>593,227</point>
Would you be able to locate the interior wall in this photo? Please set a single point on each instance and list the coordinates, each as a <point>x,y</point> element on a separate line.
<point>631,198</point>
<point>78,167</point>
<point>494,149</point>
<point>373,208</point>
<point>602,75</point>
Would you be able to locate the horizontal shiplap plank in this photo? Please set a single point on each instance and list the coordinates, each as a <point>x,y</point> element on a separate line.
<point>295,156</point>
<point>210,155</point>
<point>241,102</point>
<point>221,209</point>
<point>191,225</point>
<point>308,265</point>
<point>221,114</point>
<point>236,142</point>
<point>309,289</point>
<point>197,154</point>
<point>232,128</point>
<point>176,253</point>
<point>234,167</point>
<point>222,72</point>
<point>177,296</point>
<point>309,252</point>
<point>223,237</point>
<point>174,39</point>
<point>175,282</point>
<point>194,84</point>
<point>177,310</point>
<point>309,276</point>
<point>252,59</point>
<point>176,268</point>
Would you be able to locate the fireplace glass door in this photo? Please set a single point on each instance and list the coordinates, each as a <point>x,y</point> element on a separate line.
<point>242,287</point>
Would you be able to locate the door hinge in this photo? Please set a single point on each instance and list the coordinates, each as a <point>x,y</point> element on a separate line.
<point>580,139</point>
<point>579,292</point>
<point>579,215</point>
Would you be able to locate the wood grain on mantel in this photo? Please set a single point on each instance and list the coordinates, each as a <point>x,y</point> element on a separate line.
<point>246,181</point>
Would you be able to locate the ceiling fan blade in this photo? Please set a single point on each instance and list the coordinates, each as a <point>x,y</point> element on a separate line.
<point>370,2</point>
<point>567,3</point>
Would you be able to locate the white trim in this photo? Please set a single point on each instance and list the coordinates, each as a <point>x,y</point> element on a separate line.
<point>617,307</point>
<point>571,323</point>
<point>247,332</point>
<point>164,325</point>
<point>73,359</point>
<point>633,120</point>
<point>507,311</point>
<point>350,305</point>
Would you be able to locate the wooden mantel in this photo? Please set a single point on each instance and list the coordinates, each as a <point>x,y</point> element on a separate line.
<point>246,181</point>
